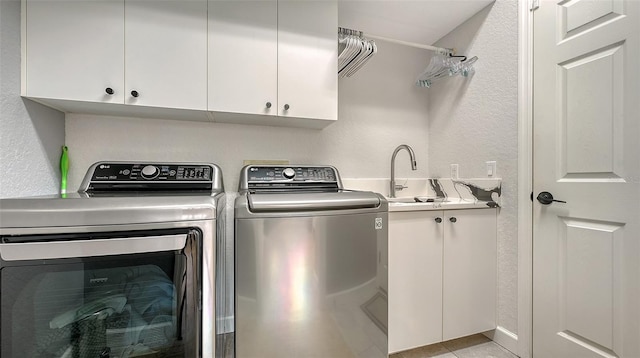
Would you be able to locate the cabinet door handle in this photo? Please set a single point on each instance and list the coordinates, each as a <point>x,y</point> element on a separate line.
<point>286,107</point>
<point>268,105</point>
<point>453,219</point>
<point>135,93</point>
<point>438,220</point>
<point>109,91</point>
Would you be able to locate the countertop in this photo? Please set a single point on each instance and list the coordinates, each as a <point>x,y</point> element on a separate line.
<point>448,194</point>
<point>450,204</point>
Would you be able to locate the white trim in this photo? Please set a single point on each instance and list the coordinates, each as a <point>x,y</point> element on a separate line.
<point>525,180</point>
<point>505,338</point>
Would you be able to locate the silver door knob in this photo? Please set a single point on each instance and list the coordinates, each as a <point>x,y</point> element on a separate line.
<point>453,219</point>
<point>286,107</point>
<point>268,105</point>
<point>438,220</point>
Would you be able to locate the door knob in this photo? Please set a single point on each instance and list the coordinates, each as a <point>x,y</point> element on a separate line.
<point>109,90</point>
<point>135,93</point>
<point>268,105</point>
<point>438,220</point>
<point>546,198</point>
<point>286,107</point>
<point>453,219</point>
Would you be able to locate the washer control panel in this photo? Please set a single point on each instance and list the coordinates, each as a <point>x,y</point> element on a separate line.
<point>127,172</point>
<point>293,173</point>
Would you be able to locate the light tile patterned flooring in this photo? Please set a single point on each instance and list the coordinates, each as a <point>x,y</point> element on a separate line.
<point>476,346</point>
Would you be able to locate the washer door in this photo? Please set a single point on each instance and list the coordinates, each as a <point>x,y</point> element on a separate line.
<point>70,296</point>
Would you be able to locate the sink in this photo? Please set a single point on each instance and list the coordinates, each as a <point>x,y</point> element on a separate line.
<point>417,199</point>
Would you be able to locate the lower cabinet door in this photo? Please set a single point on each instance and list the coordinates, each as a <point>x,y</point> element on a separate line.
<point>469,277</point>
<point>415,279</point>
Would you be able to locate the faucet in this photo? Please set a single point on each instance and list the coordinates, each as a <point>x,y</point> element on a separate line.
<point>392,186</point>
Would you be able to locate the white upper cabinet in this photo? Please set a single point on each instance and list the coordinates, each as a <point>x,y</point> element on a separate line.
<point>276,58</point>
<point>74,50</point>
<point>166,53</point>
<point>243,57</point>
<point>308,59</point>
<point>102,51</point>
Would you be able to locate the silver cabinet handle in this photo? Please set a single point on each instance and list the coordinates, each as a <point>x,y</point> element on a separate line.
<point>286,107</point>
<point>453,219</point>
<point>268,105</point>
<point>438,220</point>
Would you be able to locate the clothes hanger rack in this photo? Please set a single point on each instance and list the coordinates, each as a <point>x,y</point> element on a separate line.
<point>445,64</point>
<point>439,50</point>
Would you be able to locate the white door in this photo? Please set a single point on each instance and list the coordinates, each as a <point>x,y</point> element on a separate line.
<point>166,53</point>
<point>308,59</point>
<point>586,300</point>
<point>243,56</point>
<point>75,50</point>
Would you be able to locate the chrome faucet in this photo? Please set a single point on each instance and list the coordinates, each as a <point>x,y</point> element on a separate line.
<point>393,187</point>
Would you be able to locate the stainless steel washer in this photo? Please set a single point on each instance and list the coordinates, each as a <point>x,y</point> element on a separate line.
<point>124,267</point>
<point>311,269</point>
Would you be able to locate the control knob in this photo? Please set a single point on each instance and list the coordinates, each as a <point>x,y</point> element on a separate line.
<point>150,172</point>
<point>289,173</point>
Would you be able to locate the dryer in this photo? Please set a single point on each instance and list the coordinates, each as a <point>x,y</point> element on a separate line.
<point>124,267</point>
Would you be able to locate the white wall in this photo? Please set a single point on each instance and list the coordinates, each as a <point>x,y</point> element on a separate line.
<point>30,134</point>
<point>474,121</point>
<point>379,108</point>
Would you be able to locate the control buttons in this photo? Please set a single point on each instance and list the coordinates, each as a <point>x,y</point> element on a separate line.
<point>289,173</point>
<point>150,172</point>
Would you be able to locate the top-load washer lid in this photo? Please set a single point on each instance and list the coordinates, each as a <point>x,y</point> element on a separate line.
<point>314,201</point>
<point>298,188</point>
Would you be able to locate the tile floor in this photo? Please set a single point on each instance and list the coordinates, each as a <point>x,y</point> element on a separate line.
<point>476,346</point>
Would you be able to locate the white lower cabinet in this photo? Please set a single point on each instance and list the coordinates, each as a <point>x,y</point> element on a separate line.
<point>442,275</point>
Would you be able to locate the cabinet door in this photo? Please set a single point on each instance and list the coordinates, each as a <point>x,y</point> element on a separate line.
<point>74,50</point>
<point>243,55</point>
<point>166,53</point>
<point>308,59</point>
<point>415,279</point>
<point>469,278</point>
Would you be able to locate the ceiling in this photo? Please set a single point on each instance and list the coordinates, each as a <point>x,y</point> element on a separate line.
<point>421,21</point>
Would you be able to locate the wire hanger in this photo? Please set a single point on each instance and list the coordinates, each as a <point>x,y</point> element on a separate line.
<point>356,50</point>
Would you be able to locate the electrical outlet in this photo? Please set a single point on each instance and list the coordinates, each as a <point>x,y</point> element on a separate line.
<point>454,171</point>
<point>491,168</point>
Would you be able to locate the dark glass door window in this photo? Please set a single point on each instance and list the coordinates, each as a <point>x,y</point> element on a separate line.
<point>142,305</point>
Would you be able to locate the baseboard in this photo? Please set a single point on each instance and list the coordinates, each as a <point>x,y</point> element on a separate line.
<point>505,338</point>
